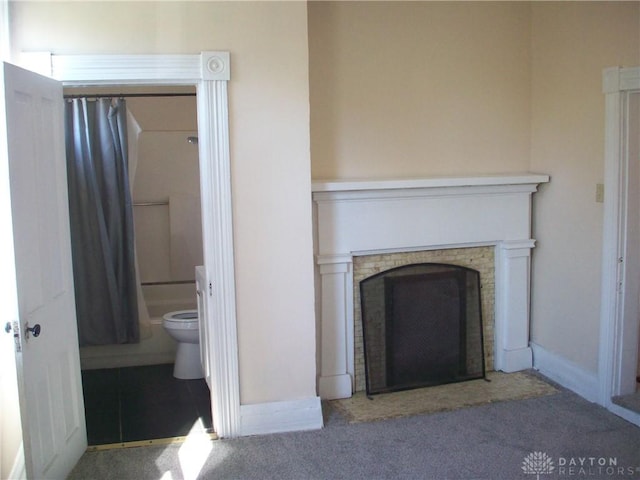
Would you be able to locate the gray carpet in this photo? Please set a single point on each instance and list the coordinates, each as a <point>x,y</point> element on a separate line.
<point>485,442</point>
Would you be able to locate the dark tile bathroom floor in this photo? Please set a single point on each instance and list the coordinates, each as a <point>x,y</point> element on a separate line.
<point>142,403</point>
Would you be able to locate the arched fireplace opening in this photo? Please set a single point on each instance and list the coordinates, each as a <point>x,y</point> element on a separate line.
<point>422,326</point>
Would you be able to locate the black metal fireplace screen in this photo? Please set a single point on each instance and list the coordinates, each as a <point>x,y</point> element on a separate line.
<point>422,326</point>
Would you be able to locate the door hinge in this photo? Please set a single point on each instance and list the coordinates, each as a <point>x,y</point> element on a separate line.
<point>619,273</point>
<point>210,289</point>
<point>16,336</point>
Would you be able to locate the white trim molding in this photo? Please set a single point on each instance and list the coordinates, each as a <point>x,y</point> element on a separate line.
<point>275,417</point>
<point>619,322</point>
<point>209,72</point>
<point>137,69</point>
<point>618,79</point>
<point>513,272</point>
<point>359,217</point>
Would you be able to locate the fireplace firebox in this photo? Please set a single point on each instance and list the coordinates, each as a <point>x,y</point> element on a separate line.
<point>422,326</point>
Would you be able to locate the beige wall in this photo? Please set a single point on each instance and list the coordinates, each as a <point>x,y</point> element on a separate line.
<point>419,88</point>
<point>572,43</point>
<point>269,115</point>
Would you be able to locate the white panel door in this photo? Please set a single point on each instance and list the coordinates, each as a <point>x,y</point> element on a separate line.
<point>48,366</point>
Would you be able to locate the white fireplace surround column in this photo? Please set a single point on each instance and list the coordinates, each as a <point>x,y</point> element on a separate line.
<point>383,216</point>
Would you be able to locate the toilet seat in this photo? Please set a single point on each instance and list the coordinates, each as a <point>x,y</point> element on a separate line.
<point>181,320</point>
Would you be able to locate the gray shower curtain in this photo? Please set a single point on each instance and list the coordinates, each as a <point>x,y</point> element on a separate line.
<point>101,221</point>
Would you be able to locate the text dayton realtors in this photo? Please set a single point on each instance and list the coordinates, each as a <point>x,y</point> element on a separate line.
<point>593,466</point>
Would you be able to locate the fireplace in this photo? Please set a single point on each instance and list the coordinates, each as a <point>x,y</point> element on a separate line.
<point>354,219</point>
<point>480,259</point>
<point>422,326</point>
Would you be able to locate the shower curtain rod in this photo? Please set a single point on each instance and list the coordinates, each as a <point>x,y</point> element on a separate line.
<point>128,95</point>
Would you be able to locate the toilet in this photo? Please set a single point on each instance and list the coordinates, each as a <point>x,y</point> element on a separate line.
<point>183,326</point>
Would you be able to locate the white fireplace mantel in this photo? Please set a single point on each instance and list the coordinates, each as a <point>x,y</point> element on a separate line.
<point>358,217</point>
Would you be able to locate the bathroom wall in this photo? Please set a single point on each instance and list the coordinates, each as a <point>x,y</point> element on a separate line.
<point>168,237</point>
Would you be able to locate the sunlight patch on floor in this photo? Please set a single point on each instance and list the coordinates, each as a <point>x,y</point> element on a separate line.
<point>194,451</point>
<point>166,476</point>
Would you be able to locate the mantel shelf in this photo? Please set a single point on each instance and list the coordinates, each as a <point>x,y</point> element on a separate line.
<point>336,185</point>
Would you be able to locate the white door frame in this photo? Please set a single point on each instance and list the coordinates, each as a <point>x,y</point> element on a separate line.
<point>209,72</point>
<point>618,323</point>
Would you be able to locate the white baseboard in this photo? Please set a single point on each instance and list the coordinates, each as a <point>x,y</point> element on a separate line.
<point>566,373</point>
<point>276,417</point>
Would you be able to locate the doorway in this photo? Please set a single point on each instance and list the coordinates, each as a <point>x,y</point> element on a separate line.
<point>620,322</point>
<point>628,396</point>
<point>128,387</point>
<point>209,72</point>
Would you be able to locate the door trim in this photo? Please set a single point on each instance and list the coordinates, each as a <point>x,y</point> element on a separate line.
<point>618,83</point>
<point>209,72</point>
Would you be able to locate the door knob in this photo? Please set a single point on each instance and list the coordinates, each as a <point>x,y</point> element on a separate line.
<point>35,330</point>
